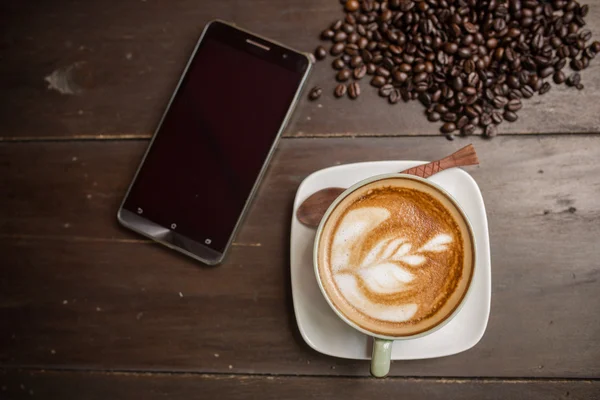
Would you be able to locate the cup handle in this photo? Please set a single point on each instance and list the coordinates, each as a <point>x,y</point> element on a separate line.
<point>380,360</point>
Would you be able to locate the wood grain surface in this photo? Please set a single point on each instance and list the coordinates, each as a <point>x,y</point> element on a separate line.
<point>106,385</point>
<point>80,292</point>
<point>97,69</point>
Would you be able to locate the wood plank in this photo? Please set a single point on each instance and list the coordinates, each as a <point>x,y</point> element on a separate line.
<point>123,59</point>
<point>123,307</point>
<point>107,385</point>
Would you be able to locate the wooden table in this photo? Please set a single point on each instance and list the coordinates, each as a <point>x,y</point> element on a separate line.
<point>89,310</point>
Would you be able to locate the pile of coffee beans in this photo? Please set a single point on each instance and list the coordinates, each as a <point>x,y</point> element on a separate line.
<point>469,62</point>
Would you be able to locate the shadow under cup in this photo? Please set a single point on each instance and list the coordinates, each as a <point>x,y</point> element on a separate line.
<point>385,333</point>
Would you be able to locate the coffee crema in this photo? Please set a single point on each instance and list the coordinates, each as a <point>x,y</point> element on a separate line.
<point>396,257</point>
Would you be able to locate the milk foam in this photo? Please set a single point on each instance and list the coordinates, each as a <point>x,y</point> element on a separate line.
<point>348,285</point>
<point>387,268</point>
<point>353,227</point>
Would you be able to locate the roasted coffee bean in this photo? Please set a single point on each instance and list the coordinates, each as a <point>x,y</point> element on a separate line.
<point>420,77</point>
<point>327,34</point>
<point>485,119</point>
<point>462,121</point>
<point>545,88</point>
<point>468,129</point>
<point>527,91</point>
<point>340,90</point>
<point>510,116</point>
<point>560,64</point>
<point>320,53</point>
<point>546,72</point>
<point>337,49</point>
<point>576,65</point>
<point>378,81</point>
<point>514,105</point>
<point>315,93</point>
<point>353,90</point>
<point>449,117</point>
<point>448,127</point>
<point>500,101</point>
<point>340,36</point>
<point>394,96</point>
<point>352,5</point>
<point>356,61</point>
<point>574,79</point>
<point>490,131</point>
<point>559,77</point>
<point>343,75</point>
<point>338,63</point>
<point>433,116</point>
<point>382,72</point>
<point>359,72</point>
<point>371,69</point>
<point>385,90</point>
<point>579,86</point>
<point>496,117</point>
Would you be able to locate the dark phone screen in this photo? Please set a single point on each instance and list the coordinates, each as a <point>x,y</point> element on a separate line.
<point>214,139</point>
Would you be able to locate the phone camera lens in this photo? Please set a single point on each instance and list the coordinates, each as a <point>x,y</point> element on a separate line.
<point>284,56</point>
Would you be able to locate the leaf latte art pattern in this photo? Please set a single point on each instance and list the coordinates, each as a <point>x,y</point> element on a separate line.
<point>378,270</point>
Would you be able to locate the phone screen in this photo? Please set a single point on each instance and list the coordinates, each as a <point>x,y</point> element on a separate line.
<point>216,135</point>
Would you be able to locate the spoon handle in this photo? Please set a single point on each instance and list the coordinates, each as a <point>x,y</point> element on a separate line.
<point>464,156</point>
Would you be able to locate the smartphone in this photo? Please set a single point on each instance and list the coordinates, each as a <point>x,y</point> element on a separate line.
<point>214,141</point>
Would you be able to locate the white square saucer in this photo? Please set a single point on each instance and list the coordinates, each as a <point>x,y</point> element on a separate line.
<point>325,332</point>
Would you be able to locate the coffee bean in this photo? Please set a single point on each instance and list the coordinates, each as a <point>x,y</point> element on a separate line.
<point>559,77</point>
<point>338,63</point>
<point>448,127</point>
<point>449,117</point>
<point>327,34</point>
<point>353,90</point>
<point>500,101</point>
<point>514,105</point>
<point>527,91</point>
<point>545,88</point>
<point>434,116</point>
<point>496,117</point>
<point>337,49</point>
<point>352,5</point>
<point>595,47</point>
<point>320,53</point>
<point>467,130</point>
<point>546,72</point>
<point>359,72</point>
<point>485,119</point>
<point>576,65</point>
<point>340,90</point>
<point>371,69</point>
<point>356,61</point>
<point>490,131</point>
<point>462,121</point>
<point>382,72</point>
<point>343,75</point>
<point>315,93</point>
<point>394,97</point>
<point>574,79</point>
<point>579,86</point>
<point>378,81</point>
<point>420,77</point>
<point>510,116</point>
<point>385,90</point>
<point>450,48</point>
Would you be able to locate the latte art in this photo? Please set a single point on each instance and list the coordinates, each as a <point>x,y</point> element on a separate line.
<point>394,257</point>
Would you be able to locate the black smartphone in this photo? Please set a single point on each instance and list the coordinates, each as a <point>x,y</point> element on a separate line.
<point>214,141</point>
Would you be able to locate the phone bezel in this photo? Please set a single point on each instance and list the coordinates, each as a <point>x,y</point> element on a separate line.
<point>165,235</point>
